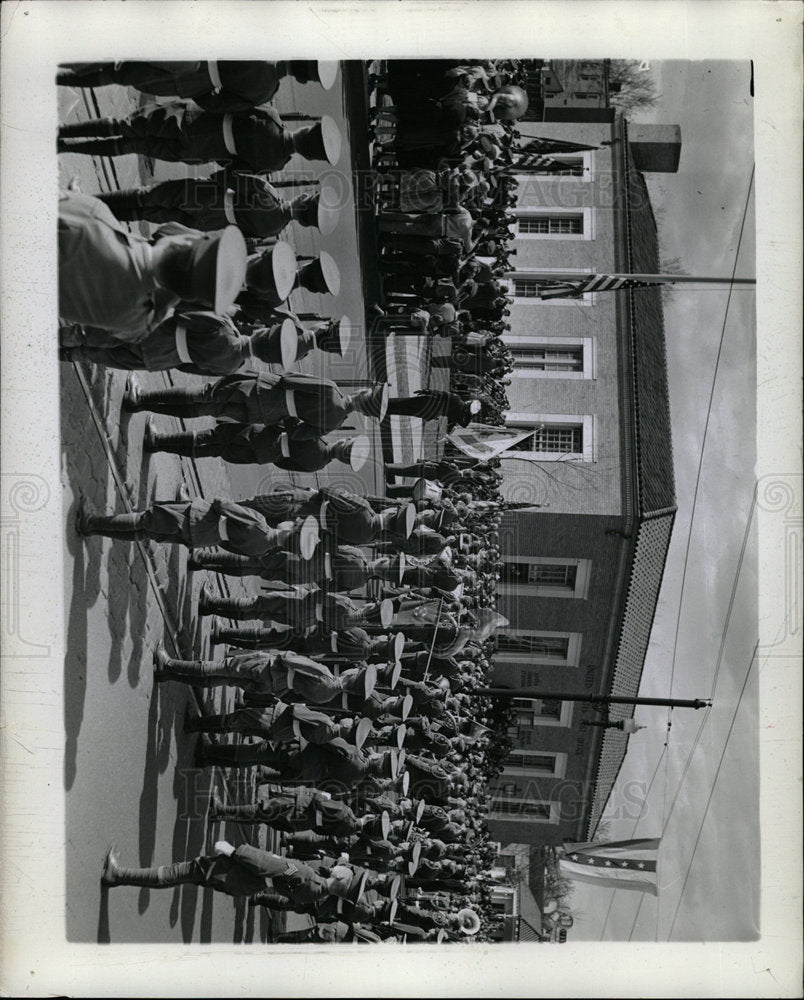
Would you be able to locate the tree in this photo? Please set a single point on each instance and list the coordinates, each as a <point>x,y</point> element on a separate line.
<point>631,86</point>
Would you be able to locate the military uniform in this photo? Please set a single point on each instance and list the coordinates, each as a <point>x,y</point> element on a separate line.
<point>287,676</point>
<point>194,523</point>
<point>264,398</point>
<point>225,85</point>
<point>295,447</point>
<point>106,278</point>
<point>347,568</point>
<point>253,140</point>
<point>301,809</point>
<point>278,723</point>
<point>352,643</point>
<point>302,606</point>
<point>201,343</point>
<point>206,203</point>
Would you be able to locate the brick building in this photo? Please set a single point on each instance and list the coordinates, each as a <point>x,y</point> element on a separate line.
<point>583,565</point>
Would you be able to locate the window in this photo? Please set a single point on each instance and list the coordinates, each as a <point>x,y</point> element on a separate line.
<point>560,440</point>
<point>545,576</point>
<point>551,224</point>
<point>518,808</point>
<point>555,223</point>
<point>528,810</point>
<point>535,763</point>
<point>587,95</point>
<point>548,574</point>
<point>552,357</point>
<point>556,437</point>
<point>545,647</point>
<point>542,711</point>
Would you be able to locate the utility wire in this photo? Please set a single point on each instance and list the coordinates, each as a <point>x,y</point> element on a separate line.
<point>712,790</point>
<point>706,428</point>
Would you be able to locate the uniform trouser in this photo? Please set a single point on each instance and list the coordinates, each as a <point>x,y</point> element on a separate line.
<point>195,202</point>
<point>277,727</point>
<point>348,574</point>
<point>247,755</point>
<point>224,441</point>
<point>188,403</point>
<point>126,357</point>
<point>165,876</point>
<point>170,201</point>
<point>126,74</point>
<point>150,523</point>
<point>286,607</point>
<point>238,671</point>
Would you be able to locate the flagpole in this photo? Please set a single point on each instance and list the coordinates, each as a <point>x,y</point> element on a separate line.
<point>575,277</point>
<point>594,699</point>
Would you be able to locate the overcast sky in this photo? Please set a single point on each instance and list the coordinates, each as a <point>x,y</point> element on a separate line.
<point>700,209</point>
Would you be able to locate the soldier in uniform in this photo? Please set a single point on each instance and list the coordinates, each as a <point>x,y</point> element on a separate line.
<point>303,606</point>
<point>238,871</point>
<point>118,281</point>
<point>296,809</point>
<point>200,522</point>
<point>223,85</point>
<point>347,568</point>
<point>293,446</point>
<point>264,398</point>
<point>246,200</point>
<point>290,677</point>
<point>253,141</point>
<point>349,518</point>
<point>277,722</point>
<point>337,762</point>
<point>200,343</point>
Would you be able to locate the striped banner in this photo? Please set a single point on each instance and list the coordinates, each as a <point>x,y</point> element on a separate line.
<point>621,864</point>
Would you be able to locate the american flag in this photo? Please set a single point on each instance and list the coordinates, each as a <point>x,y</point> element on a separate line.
<point>618,864</point>
<point>591,283</point>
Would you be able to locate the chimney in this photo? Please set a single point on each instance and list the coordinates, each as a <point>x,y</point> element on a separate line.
<point>655,148</point>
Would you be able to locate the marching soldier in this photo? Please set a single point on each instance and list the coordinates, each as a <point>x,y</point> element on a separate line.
<point>120,282</point>
<point>220,86</point>
<point>292,446</point>
<point>264,398</point>
<point>254,141</point>
<point>200,522</point>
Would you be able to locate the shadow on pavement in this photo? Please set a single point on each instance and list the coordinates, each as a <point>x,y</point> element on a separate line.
<point>86,556</point>
<point>104,931</point>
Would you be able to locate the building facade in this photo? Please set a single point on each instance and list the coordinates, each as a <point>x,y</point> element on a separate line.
<point>583,561</point>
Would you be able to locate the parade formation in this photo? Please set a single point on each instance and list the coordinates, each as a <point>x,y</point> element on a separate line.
<point>368,620</point>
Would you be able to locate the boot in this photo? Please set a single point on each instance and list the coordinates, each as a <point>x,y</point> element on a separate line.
<point>127,206</point>
<point>226,562</point>
<point>176,403</point>
<point>232,607</point>
<point>93,127</point>
<point>207,723</point>
<point>190,671</point>
<point>176,444</point>
<point>124,526</point>
<point>159,877</point>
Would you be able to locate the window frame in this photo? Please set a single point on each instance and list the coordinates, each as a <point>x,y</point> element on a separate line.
<point>588,423</point>
<point>580,592</point>
<point>553,819</point>
<point>587,345</point>
<point>509,279</point>
<point>572,658</point>
<point>585,213</point>
<point>558,769</point>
